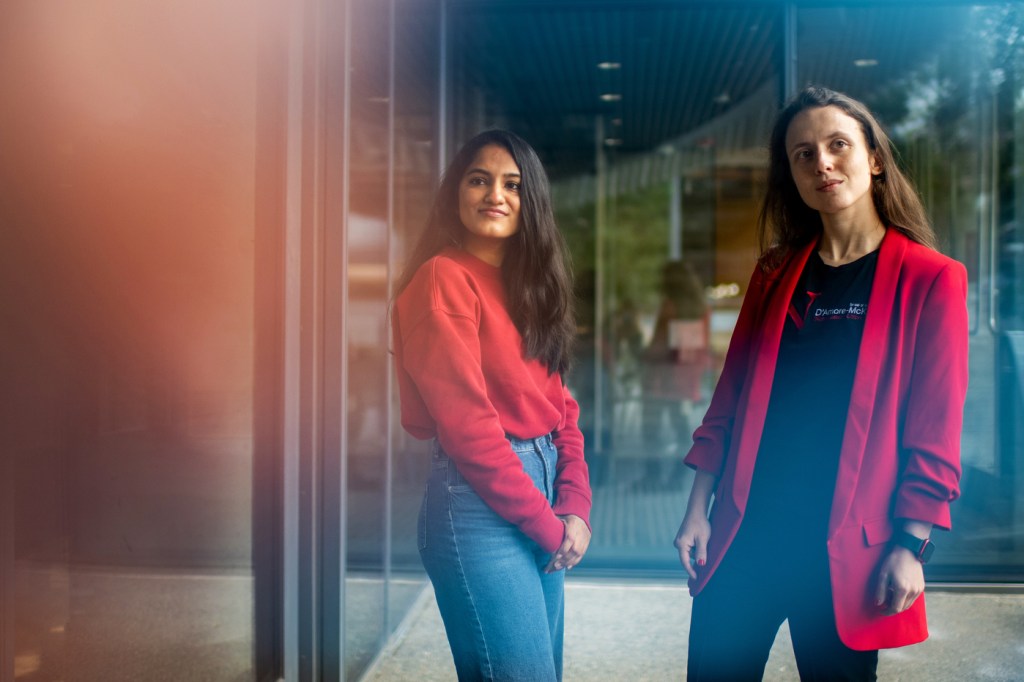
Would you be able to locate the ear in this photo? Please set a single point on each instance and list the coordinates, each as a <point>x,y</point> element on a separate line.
<point>876,164</point>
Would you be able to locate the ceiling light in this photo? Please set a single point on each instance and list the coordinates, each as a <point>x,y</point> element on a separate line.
<point>608,66</point>
<point>613,141</point>
<point>864,63</point>
<point>611,97</point>
<point>723,98</point>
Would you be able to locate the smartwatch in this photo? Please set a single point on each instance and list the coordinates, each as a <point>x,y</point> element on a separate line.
<point>922,549</point>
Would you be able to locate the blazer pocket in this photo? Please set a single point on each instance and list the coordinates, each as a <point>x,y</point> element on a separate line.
<point>877,531</point>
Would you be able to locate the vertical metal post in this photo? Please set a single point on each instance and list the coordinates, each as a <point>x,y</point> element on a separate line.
<point>442,86</point>
<point>600,216</point>
<point>7,610</point>
<point>292,496</point>
<point>333,223</point>
<point>788,72</point>
<point>675,217</point>
<point>303,394</point>
<point>389,457</point>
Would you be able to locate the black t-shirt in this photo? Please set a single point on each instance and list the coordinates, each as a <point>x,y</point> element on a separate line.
<point>794,477</point>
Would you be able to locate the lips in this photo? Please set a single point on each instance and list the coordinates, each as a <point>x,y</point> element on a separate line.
<point>827,186</point>
<point>493,213</point>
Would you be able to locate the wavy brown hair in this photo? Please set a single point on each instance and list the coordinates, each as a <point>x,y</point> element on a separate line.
<point>537,276</point>
<point>786,223</point>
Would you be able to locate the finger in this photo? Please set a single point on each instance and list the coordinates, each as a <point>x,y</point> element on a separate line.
<point>556,563</point>
<point>909,598</point>
<point>899,602</point>
<point>882,589</point>
<point>687,560</point>
<point>700,554</point>
<point>573,556</point>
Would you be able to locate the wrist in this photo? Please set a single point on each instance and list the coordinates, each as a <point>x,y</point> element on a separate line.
<point>921,548</point>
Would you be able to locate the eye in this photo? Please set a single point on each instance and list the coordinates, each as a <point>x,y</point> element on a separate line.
<point>840,144</point>
<point>802,154</point>
<point>476,181</point>
<point>513,186</point>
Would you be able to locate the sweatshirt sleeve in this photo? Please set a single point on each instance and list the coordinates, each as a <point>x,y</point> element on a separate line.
<point>929,480</point>
<point>441,354</point>
<point>572,487</point>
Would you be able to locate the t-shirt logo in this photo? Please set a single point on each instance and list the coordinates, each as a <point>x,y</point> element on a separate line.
<point>798,317</point>
<point>851,311</point>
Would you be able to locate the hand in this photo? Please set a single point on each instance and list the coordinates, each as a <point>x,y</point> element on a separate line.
<point>695,530</point>
<point>900,581</point>
<point>574,546</point>
<point>692,541</point>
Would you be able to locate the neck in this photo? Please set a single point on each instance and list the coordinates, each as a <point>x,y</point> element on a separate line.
<point>491,252</point>
<point>846,242</point>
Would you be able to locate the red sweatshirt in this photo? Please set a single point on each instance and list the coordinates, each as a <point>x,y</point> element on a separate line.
<point>463,378</point>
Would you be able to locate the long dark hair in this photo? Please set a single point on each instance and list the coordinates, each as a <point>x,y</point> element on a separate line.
<point>786,223</point>
<point>538,280</point>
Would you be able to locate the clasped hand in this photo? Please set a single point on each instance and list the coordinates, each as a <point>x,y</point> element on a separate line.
<point>574,545</point>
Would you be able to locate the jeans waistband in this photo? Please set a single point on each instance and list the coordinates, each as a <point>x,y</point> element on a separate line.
<point>518,445</point>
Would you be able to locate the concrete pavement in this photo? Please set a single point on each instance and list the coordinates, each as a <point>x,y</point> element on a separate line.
<point>636,631</point>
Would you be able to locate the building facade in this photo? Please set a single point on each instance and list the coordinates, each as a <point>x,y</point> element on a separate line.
<point>205,206</point>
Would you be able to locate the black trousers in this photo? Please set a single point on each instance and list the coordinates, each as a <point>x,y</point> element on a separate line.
<point>737,615</point>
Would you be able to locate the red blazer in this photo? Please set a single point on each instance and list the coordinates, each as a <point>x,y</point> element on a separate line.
<point>900,456</point>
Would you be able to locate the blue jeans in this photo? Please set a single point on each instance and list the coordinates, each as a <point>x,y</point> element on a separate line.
<point>503,614</point>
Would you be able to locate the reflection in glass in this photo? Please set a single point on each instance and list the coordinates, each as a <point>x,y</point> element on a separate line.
<point>948,85</point>
<point>652,122</point>
<point>655,172</point>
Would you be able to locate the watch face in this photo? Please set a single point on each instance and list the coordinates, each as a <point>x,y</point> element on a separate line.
<point>926,551</point>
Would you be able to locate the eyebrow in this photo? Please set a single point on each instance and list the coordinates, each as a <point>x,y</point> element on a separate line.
<point>831,136</point>
<point>486,172</point>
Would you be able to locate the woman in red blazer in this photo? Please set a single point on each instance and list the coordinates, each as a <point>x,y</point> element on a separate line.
<point>831,445</point>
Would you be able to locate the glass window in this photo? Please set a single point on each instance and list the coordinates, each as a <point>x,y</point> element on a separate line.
<point>651,122</point>
<point>949,87</point>
<point>417,53</point>
<point>366,405</point>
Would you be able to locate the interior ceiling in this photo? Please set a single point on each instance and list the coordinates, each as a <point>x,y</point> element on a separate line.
<point>667,68</point>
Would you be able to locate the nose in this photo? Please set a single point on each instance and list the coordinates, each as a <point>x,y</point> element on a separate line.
<point>825,162</point>
<point>495,193</point>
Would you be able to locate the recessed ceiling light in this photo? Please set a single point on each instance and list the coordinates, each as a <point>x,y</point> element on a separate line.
<point>864,63</point>
<point>611,97</point>
<point>608,66</point>
<point>613,142</point>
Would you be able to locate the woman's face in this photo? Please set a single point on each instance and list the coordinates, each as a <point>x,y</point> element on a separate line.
<point>489,203</point>
<point>831,163</point>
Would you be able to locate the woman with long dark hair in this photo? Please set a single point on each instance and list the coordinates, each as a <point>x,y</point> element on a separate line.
<point>483,327</point>
<point>831,446</point>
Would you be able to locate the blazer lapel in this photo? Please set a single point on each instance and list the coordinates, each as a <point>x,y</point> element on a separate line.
<point>765,357</point>
<point>873,348</point>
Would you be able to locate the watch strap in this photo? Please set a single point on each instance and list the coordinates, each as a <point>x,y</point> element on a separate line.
<point>922,549</point>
